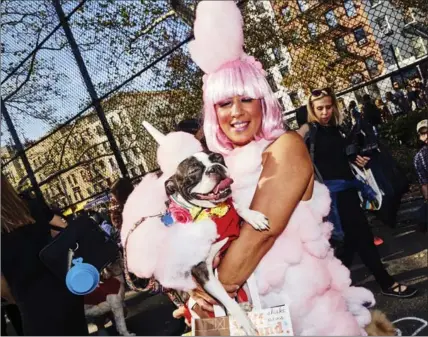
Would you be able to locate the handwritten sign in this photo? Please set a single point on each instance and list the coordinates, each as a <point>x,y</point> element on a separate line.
<point>268,322</point>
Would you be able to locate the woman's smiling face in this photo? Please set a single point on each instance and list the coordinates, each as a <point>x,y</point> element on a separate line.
<point>240,118</point>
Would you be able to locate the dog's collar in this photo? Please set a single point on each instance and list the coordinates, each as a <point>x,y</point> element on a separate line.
<point>186,212</point>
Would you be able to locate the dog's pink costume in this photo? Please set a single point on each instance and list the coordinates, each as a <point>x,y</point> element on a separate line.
<point>299,270</point>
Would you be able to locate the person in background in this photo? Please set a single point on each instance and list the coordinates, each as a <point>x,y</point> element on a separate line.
<point>385,113</point>
<point>354,111</point>
<point>392,104</point>
<point>371,112</point>
<point>47,307</point>
<point>120,191</point>
<point>421,167</point>
<point>331,159</point>
<point>401,98</point>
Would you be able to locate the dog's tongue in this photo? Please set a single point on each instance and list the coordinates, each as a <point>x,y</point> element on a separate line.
<point>223,184</point>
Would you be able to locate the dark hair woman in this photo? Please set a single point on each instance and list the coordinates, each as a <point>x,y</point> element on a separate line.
<point>46,305</point>
<point>328,148</point>
<point>120,191</point>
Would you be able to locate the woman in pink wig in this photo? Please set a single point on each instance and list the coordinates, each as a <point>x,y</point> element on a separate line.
<point>293,262</point>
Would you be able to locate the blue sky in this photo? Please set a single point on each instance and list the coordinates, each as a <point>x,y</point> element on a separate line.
<point>72,90</point>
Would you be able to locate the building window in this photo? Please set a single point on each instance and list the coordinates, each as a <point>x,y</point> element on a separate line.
<point>106,147</point>
<point>387,56</point>
<point>360,36</point>
<point>134,152</point>
<point>100,130</point>
<point>372,66</point>
<point>397,53</point>
<point>141,168</point>
<point>74,179</point>
<point>356,78</point>
<point>350,9</point>
<point>282,104</point>
<point>284,71</point>
<point>294,97</point>
<point>89,190</point>
<point>384,25</point>
<point>272,83</point>
<point>286,13</point>
<point>330,17</point>
<point>375,2</point>
<point>112,164</point>
<point>133,172</point>
<point>277,53</point>
<point>418,46</point>
<point>69,180</point>
<point>340,44</point>
<point>312,27</point>
<point>303,5</point>
<point>260,6</point>
<point>409,15</point>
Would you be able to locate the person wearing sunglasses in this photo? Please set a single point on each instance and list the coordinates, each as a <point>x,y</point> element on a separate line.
<point>328,148</point>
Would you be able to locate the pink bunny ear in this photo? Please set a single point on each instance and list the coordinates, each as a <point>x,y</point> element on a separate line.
<point>218,35</point>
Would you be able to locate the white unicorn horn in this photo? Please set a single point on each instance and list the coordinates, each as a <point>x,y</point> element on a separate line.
<point>156,134</point>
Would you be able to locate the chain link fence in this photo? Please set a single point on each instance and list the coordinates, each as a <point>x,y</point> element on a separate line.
<point>79,77</point>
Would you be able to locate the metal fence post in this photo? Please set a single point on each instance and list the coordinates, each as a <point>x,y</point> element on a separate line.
<point>90,86</point>
<point>21,151</point>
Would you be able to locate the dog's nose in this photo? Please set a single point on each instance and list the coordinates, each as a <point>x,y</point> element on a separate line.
<point>215,169</point>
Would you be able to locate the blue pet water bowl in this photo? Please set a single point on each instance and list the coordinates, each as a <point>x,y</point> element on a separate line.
<point>82,278</point>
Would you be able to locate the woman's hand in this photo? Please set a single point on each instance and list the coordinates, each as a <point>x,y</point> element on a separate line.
<point>362,161</point>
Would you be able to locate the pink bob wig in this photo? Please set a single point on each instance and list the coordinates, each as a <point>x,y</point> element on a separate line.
<point>244,77</point>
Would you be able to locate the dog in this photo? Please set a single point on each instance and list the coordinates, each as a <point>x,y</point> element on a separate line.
<point>109,297</point>
<point>202,181</point>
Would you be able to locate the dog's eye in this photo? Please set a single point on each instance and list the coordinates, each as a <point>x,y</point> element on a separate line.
<point>216,158</point>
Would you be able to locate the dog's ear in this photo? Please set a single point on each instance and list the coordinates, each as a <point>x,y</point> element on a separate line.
<point>170,186</point>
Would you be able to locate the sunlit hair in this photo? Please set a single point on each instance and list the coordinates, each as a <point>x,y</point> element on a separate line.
<point>336,118</point>
<point>14,210</point>
<point>239,78</point>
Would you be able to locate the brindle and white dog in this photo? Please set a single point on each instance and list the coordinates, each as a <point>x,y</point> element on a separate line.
<point>203,180</point>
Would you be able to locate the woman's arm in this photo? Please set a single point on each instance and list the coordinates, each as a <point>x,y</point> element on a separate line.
<point>303,130</point>
<point>286,179</point>
<point>5,291</point>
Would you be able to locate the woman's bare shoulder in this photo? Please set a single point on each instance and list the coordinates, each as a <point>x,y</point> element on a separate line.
<point>288,144</point>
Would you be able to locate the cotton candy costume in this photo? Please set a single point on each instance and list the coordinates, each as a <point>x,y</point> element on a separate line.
<point>299,270</point>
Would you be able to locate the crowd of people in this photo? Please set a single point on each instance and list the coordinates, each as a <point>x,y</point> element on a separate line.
<point>398,102</point>
<point>296,179</point>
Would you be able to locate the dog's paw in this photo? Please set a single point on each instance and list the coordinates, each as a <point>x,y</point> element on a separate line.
<point>256,219</point>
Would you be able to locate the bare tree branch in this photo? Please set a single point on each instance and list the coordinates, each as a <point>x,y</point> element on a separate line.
<point>152,26</point>
<point>30,71</point>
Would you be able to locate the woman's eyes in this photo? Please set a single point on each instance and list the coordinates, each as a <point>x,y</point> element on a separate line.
<point>224,104</point>
<point>228,103</point>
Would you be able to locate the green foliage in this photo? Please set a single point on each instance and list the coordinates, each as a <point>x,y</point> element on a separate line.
<point>401,136</point>
<point>402,130</point>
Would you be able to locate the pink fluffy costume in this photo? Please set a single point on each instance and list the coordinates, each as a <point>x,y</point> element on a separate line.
<point>300,269</point>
